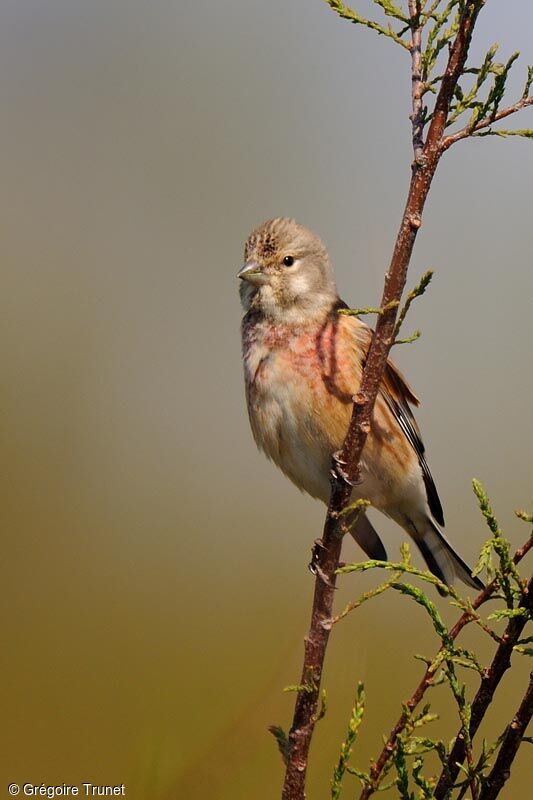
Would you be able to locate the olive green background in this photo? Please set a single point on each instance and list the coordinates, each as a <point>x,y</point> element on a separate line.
<point>155,588</point>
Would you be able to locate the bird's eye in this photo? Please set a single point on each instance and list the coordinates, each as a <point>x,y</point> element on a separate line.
<point>288,261</point>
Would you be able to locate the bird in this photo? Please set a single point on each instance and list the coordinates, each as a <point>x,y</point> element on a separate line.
<point>303,362</point>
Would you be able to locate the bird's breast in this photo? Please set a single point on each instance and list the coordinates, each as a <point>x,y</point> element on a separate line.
<point>299,399</point>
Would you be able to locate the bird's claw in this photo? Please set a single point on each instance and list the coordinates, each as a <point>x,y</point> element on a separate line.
<point>340,472</point>
<point>314,564</point>
<point>317,570</point>
<point>315,556</point>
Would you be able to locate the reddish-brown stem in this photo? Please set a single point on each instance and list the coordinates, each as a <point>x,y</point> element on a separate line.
<point>329,553</point>
<point>486,122</point>
<point>424,167</point>
<point>454,69</point>
<point>489,683</point>
<point>346,469</point>
<point>315,643</point>
<point>378,766</point>
<point>512,739</point>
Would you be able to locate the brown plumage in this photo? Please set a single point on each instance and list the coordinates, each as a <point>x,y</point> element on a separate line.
<point>303,363</point>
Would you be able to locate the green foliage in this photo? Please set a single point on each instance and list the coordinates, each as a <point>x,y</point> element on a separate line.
<point>529,81</point>
<point>437,23</point>
<point>388,7</point>
<point>402,781</point>
<point>526,133</point>
<point>489,107</point>
<point>323,706</point>
<point>440,35</point>
<point>408,749</point>
<point>357,312</point>
<point>308,688</point>
<point>358,505</point>
<point>418,291</point>
<point>506,573</point>
<point>354,723</point>
<point>282,741</point>
<point>468,101</point>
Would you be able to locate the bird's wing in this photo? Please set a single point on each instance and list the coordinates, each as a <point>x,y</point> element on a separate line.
<point>398,395</point>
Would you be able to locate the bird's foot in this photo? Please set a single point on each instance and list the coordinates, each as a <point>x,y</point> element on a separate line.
<point>315,555</point>
<point>314,564</point>
<point>340,471</point>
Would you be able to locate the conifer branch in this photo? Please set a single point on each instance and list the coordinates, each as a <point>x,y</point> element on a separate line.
<point>511,741</point>
<point>352,16</point>
<point>448,31</point>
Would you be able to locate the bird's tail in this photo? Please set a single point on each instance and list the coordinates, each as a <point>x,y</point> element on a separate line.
<point>442,559</point>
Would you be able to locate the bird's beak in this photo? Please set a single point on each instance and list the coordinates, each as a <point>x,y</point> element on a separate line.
<point>252,273</point>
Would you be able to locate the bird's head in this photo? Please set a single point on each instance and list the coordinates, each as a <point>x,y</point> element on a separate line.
<point>287,274</point>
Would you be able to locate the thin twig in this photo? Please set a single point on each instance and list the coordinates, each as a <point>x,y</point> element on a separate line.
<point>464,133</point>
<point>511,741</point>
<point>489,683</point>
<point>416,79</point>
<point>352,16</point>
<point>378,766</point>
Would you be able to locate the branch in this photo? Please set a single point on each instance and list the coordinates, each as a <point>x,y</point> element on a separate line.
<point>467,617</point>
<point>511,741</point>
<point>356,312</point>
<point>456,63</point>
<point>417,88</point>
<point>489,683</point>
<point>418,291</point>
<point>346,747</point>
<point>486,122</point>
<point>352,16</point>
<point>346,465</point>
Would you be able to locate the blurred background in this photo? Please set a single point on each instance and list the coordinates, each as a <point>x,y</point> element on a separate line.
<point>155,581</point>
